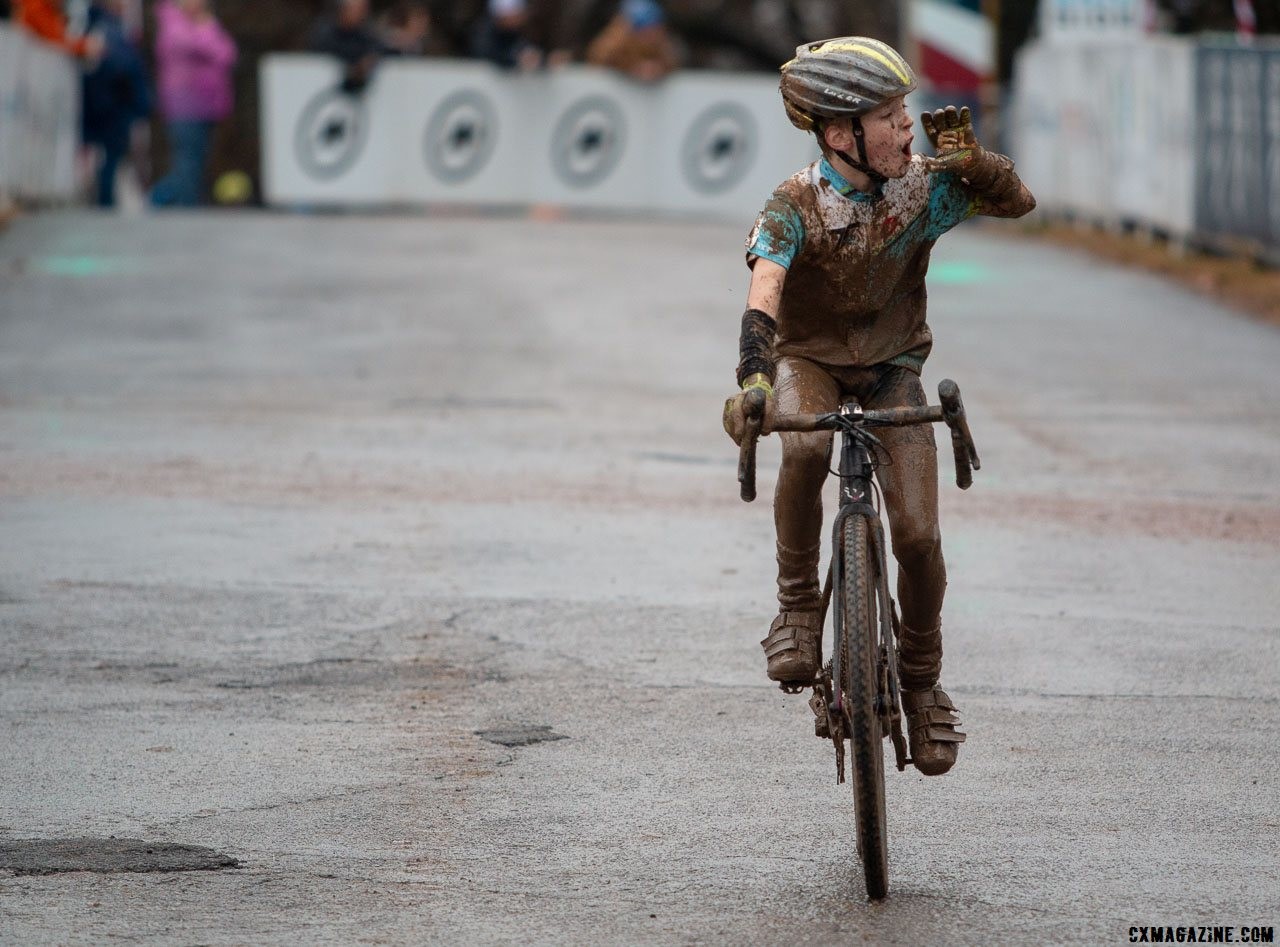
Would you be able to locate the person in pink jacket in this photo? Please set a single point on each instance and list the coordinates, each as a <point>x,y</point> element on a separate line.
<point>194,58</point>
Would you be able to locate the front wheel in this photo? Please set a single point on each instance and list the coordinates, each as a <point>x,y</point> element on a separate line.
<point>860,642</point>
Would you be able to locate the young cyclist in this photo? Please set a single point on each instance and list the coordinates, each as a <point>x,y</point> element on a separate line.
<point>836,309</point>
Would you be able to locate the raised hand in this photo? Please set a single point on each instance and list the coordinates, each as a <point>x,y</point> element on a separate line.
<point>950,131</point>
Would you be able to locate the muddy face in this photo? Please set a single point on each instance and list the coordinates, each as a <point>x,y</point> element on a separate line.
<point>888,137</point>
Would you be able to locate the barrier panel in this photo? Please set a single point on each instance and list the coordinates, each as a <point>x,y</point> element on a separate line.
<point>462,137</point>
<point>39,118</point>
<point>1158,131</point>
<point>588,139</point>
<point>1104,130</point>
<point>725,144</point>
<point>327,150</point>
<point>1238,166</point>
<point>1159,177</point>
<point>443,131</point>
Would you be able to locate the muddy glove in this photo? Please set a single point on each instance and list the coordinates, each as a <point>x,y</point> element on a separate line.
<point>988,174</point>
<point>951,134</point>
<point>735,416</point>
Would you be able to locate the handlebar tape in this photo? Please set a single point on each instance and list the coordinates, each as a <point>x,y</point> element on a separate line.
<point>961,441</point>
<point>753,408</point>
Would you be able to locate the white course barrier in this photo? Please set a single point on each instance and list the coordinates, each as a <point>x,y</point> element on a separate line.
<point>1088,21</point>
<point>443,131</point>
<point>1104,130</point>
<point>39,116</point>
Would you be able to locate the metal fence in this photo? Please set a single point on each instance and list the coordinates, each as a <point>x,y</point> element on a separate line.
<point>1176,135</point>
<point>1238,147</point>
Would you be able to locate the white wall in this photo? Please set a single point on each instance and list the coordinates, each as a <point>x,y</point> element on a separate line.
<point>1105,129</point>
<point>39,118</point>
<point>445,131</point>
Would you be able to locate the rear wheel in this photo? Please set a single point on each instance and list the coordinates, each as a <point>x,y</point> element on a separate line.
<point>866,741</point>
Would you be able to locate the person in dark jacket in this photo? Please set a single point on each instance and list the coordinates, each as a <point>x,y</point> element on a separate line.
<point>116,94</point>
<point>406,29</point>
<point>350,36</point>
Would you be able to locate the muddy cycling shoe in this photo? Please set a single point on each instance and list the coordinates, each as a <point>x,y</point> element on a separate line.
<point>794,647</point>
<point>931,730</point>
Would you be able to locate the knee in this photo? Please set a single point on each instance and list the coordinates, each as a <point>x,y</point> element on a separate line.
<point>807,455</point>
<point>917,547</point>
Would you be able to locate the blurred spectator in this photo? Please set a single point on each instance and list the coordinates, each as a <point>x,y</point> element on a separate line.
<point>194,57</point>
<point>503,38</point>
<point>406,28</point>
<point>636,42</point>
<point>1246,17</point>
<point>115,94</point>
<point>1184,15</point>
<point>45,19</point>
<point>349,35</point>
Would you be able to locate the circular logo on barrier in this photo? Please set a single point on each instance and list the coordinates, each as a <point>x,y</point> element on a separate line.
<point>330,133</point>
<point>461,135</point>
<point>720,148</point>
<point>587,142</point>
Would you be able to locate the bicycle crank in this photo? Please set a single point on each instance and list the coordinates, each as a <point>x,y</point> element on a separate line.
<point>828,723</point>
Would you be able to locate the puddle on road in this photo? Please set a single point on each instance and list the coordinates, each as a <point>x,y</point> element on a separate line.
<point>520,736</point>
<point>42,856</point>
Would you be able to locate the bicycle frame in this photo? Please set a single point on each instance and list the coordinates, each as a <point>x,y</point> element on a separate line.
<point>856,473</point>
<point>871,712</point>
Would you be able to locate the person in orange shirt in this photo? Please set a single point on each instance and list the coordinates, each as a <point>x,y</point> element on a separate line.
<point>46,20</point>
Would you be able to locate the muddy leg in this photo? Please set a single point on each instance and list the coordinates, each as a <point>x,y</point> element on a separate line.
<point>910,486</point>
<point>802,387</point>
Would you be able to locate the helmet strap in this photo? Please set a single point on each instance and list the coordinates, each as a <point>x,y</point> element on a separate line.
<point>861,164</point>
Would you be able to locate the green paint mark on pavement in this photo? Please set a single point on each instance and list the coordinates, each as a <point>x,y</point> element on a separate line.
<point>80,266</point>
<point>957,273</point>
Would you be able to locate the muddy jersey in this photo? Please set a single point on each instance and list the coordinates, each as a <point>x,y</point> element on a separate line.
<point>854,293</point>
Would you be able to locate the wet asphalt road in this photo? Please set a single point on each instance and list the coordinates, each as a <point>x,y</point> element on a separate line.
<point>291,507</point>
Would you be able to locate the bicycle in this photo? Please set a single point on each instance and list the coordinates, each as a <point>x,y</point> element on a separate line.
<point>856,695</point>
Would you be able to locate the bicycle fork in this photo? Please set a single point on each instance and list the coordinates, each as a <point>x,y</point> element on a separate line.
<point>855,473</point>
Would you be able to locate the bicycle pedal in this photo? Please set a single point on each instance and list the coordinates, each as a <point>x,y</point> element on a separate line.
<point>793,687</point>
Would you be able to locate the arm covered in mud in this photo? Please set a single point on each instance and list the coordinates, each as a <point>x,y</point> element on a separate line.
<point>756,363</point>
<point>755,342</point>
<point>1000,191</point>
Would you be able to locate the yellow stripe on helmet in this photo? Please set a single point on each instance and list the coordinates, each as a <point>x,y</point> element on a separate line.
<point>894,62</point>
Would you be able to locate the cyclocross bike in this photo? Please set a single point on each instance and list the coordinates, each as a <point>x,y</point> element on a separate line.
<point>856,696</point>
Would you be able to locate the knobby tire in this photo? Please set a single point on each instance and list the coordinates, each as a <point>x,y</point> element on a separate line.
<point>861,646</point>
